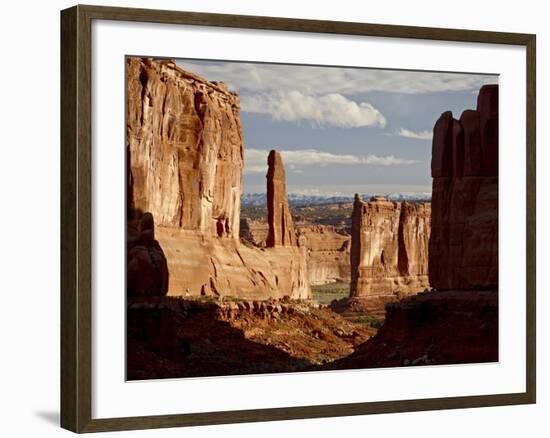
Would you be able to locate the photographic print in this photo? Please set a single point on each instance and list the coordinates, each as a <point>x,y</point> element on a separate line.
<point>296,218</point>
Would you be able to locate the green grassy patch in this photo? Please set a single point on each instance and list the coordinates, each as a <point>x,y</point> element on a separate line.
<point>326,293</point>
<point>367,320</point>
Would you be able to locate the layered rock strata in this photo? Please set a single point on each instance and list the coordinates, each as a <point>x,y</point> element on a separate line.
<point>389,247</point>
<point>185,148</point>
<point>327,248</point>
<point>464,242</point>
<point>185,161</point>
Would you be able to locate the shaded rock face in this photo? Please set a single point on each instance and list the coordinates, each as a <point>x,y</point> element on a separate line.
<point>389,247</point>
<point>328,253</point>
<point>147,272</point>
<point>464,239</point>
<point>281,227</point>
<point>433,328</point>
<point>171,338</point>
<point>185,161</point>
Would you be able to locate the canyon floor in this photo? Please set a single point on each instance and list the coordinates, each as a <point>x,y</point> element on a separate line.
<point>175,337</point>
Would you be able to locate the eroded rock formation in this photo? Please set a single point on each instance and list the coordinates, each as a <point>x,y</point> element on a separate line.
<point>185,148</point>
<point>185,161</point>
<point>327,253</point>
<point>464,243</point>
<point>389,247</point>
<point>327,248</point>
<point>281,227</point>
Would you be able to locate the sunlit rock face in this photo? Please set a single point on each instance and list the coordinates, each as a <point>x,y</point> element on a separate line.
<point>328,252</point>
<point>185,162</point>
<point>464,243</point>
<point>327,248</point>
<point>389,247</point>
<point>281,226</point>
<point>185,147</point>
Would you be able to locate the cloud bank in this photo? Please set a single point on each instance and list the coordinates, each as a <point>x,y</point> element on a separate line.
<point>254,78</point>
<point>330,109</point>
<point>256,160</point>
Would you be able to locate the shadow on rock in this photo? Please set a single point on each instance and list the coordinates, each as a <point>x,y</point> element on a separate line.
<point>147,270</point>
<point>174,338</point>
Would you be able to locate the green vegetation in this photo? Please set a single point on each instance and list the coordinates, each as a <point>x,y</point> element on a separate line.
<point>368,320</point>
<point>326,293</point>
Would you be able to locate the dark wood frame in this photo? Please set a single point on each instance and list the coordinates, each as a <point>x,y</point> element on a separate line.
<point>76,174</point>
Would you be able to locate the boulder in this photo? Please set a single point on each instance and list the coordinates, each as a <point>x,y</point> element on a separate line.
<point>147,272</point>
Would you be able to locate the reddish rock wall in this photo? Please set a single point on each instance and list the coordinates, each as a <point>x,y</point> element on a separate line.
<point>464,242</point>
<point>327,248</point>
<point>458,322</point>
<point>185,161</point>
<point>185,148</point>
<point>389,247</point>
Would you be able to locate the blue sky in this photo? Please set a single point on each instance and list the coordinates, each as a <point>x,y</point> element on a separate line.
<point>341,130</point>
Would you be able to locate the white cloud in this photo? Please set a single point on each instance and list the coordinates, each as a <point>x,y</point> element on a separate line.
<point>329,109</point>
<point>250,77</point>
<point>256,160</point>
<point>419,135</point>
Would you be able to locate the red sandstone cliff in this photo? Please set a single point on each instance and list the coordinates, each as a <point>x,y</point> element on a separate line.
<point>185,161</point>
<point>327,248</point>
<point>464,243</point>
<point>185,148</point>
<point>389,247</point>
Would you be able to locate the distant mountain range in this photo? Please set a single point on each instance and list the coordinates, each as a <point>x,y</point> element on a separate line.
<point>260,199</point>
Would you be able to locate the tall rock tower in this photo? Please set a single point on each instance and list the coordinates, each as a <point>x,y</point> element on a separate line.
<point>281,228</point>
<point>464,239</point>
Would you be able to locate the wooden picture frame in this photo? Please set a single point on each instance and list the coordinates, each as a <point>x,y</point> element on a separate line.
<point>76,217</point>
